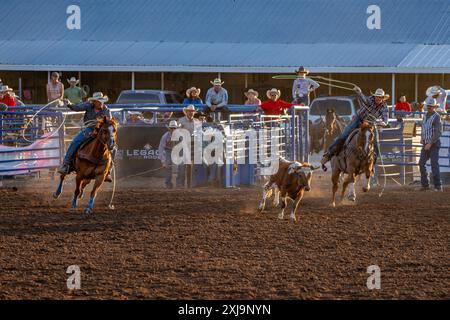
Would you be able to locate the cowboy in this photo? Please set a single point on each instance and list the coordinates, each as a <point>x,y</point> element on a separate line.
<point>165,153</point>
<point>431,143</point>
<point>371,107</point>
<point>438,93</point>
<point>216,98</point>
<point>193,96</point>
<point>274,106</point>
<point>7,97</point>
<point>302,87</point>
<point>55,88</point>
<point>74,94</point>
<point>252,97</point>
<point>191,124</point>
<point>93,109</point>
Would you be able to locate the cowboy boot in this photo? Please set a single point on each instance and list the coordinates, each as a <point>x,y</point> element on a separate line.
<point>64,168</point>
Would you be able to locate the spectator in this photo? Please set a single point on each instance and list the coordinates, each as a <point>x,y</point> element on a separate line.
<point>193,96</point>
<point>402,104</point>
<point>74,94</point>
<point>191,124</point>
<point>216,98</point>
<point>55,88</point>
<point>165,153</point>
<point>302,87</point>
<point>430,139</point>
<point>7,97</point>
<point>440,95</point>
<point>274,106</point>
<point>252,97</point>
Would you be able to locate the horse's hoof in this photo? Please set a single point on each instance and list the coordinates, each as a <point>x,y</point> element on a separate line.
<point>293,219</point>
<point>365,189</point>
<point>88,211</point>
<point>333,204</point>
<point>55,195</point>
<point>350,198</point>
<point>280,216</point>
<point>111,207</point>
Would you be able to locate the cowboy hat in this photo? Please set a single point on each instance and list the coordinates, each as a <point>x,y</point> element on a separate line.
<point>217,82</point>
<point>430,101</point>
<point>273,90</point>
<point>55,74</point>
<point>302,69</point>
<point>251,91</point>
<point>380,93</point>
<point>98,96</point>
<point>5,88</point>
<point>173,124</point>
<point>189,108</point>
<point>188,91</point>
<point>73,79</point>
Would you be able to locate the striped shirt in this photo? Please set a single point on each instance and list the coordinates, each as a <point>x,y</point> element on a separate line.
<point>370,108</point>
<point>431,128</point>
<point>55,91</point>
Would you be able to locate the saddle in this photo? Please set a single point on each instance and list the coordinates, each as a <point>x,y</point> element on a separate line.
<point>342,148</point>
<point>81,153</point>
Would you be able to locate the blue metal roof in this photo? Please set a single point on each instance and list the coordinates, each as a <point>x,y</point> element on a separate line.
<point>226,35</point>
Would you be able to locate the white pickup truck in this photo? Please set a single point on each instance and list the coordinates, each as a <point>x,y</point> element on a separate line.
<point>345,107</point>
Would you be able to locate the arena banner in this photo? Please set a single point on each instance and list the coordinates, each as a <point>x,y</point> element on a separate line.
<point>138,150</point>
<point>41,154</point>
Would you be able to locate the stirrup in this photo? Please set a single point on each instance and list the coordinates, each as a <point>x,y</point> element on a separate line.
<point>64,169</point>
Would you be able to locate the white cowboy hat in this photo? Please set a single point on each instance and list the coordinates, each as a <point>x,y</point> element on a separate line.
<point>98,96</point>
<point>188,91</point>
<point>189,108</point>
<point>217,82</point>
<point>6,89</point>
<point>173,124</point>
<point>380,93</point>
<point>430,101</point>
<point>73,79</point>
<point>251,91</point>
<point>273,90</point>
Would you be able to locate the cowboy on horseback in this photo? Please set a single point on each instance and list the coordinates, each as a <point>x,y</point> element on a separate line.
<point>373,106</point>
<point>94,108</point>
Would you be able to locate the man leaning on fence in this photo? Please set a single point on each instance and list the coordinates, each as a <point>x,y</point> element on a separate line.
<point>431,143</point>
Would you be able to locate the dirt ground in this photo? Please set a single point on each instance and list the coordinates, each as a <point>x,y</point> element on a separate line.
<point>213,244</point>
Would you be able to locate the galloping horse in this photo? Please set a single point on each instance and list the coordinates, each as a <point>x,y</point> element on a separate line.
<point>357,156</point>
<point>316,135</point>
<point>333,128</point>
<point>92,161</point>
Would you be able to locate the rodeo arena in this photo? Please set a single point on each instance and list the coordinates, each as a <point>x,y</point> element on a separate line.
<point>227,149</point>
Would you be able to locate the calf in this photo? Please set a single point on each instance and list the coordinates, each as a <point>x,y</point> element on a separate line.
<point>290,182</point>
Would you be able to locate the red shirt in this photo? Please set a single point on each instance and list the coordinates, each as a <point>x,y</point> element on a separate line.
<point>402,106</point>
<point>274,108</point>
<point>9,101</point>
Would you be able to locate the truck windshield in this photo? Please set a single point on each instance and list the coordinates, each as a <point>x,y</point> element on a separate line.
<point>138,97</point>
<point>320,107</point>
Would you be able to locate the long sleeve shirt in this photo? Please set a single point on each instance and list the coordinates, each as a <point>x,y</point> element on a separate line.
<point>190,125</point>
<point>164,144</point>
<point>9,101</point>
<point>274,108</point>
<point>219,99</point>
<point>370,108</point>
<point>90,115</point>
<point>431,128</point>
<point>402,106</point>
<point>303,86</point>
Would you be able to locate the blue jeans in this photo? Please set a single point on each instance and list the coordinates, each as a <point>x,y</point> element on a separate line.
<point>300,100</point>
<point>170,168</point>
<point>344,134</point>
<point>76,142</point>
<point>433,155</point>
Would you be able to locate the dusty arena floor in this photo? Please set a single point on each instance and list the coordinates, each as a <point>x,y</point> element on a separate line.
<point>212,244</point>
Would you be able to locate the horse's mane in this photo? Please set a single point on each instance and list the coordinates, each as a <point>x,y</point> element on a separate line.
<point>101,122</point>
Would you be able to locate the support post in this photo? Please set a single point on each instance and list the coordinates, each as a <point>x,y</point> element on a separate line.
<point>162,80</point>
<point>133,81</point>
<point>416,87</point>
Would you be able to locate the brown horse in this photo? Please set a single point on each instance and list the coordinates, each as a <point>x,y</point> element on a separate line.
<point>316,135</point>
<point>357,157</point>
<point>92,161</point>
<point>333,128</point>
